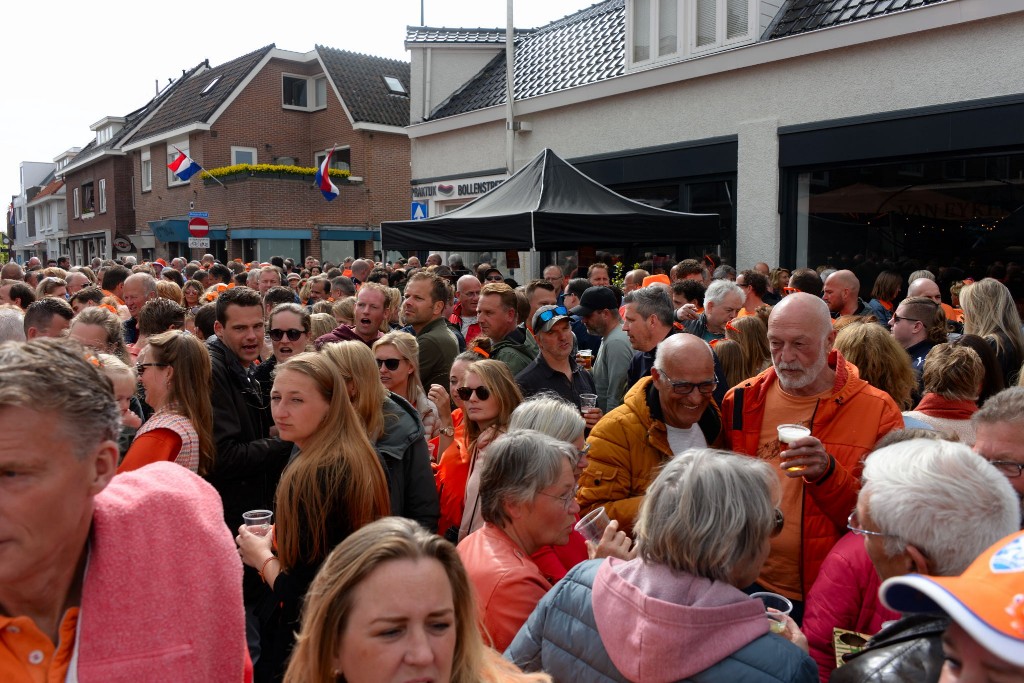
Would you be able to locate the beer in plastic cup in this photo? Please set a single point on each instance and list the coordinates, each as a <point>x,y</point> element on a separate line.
<point>788,433</point>
<point>587,401</point>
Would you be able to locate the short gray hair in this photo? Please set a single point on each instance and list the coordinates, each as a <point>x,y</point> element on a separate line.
<point>549,414</point>
<point>12,324</point>
<point>708,512</point>
<point>147,280</point>
<point>1006,406</point>
<point>517,467</point>
<point>53,376</point>
<point>941,497</point>
<point>719,289</point>
<point>652,300</point>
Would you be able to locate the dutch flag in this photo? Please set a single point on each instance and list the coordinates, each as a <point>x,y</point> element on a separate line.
<point>183,166</point>
<point>323,179</point>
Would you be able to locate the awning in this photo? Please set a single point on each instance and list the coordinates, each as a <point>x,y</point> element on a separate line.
<point>176,230</point>
<point>270,234</point>
<point>348,234</point>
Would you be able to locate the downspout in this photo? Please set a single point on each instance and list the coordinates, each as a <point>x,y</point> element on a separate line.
<point>510,133</point>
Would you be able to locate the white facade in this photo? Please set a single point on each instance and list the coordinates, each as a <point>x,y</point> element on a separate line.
<point>945,53</point>
<point>27,240</point>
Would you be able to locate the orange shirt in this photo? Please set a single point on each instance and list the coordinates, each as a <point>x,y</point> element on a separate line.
<point>159,445</point>
<point>27,654</point>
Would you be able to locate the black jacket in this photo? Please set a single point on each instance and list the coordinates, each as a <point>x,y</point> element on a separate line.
<point>909,651</point>
<point>406,459</point>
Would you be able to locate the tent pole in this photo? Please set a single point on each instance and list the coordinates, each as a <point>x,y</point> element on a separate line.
<point>510,133</point>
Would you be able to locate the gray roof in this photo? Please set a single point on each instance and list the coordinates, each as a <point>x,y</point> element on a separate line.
<point>187,105</point>
<point>432,34</point>
<point>585,47</point>
<point>800,16</point>
<point>360,81</point>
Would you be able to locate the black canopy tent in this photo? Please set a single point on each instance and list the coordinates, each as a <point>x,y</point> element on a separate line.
<point>550,205</point>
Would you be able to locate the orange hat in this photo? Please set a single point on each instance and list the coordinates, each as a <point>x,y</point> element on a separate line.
<point>659,278</point>
<point>987,600</point>
<point>161,262</point>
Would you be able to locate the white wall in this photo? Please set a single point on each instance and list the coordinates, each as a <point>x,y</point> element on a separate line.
<point>450,68</point>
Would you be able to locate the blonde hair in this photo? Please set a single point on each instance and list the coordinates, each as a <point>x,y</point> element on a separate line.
<point>170,290</point>
<point>953,372</point>
<point>730,355</point>
<point>990,312</point>
<point>496,376</point>
<point>111,324</point>
<point>882,362</point>
<point>406,345</point>
<point>751,333</point>
<point>321,324</point>
<point>344,310</point>
<point>355,362</point>
<point>336,480</point>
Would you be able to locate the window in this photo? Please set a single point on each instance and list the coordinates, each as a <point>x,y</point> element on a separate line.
<point>320,101</point>
<point>243,155</point>
<point>88,198</point>
<point>294,92</point>
<point>209,86</point>
<point>172,153</point>
<point>662,30</point>
<point>103,195</point>
<point>395,86</point>
<point>341,160</point>
<point>303,92</point>
<point>75,201</point>
<point>147,171</point>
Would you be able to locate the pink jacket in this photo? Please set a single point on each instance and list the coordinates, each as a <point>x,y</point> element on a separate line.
<point>162,594</point>
<point>845,595</point>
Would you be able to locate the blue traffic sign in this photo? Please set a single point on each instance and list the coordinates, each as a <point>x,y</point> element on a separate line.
<point>419,211</point>
<point>198,214</point>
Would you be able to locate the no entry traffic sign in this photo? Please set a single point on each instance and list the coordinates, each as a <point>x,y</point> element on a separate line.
<point>198,227</point>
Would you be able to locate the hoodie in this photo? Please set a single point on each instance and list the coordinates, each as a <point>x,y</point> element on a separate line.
<point>342,333</point>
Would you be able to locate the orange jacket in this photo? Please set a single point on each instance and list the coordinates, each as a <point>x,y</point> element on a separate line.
<point>450,475</point>
<point>848,425</point>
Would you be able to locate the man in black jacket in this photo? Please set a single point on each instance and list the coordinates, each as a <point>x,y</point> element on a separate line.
<point>248,462</point>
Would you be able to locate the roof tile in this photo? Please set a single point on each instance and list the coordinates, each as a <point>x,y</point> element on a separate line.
<point>791,18</point>
<point>360,80</point>
<point>431,34</point>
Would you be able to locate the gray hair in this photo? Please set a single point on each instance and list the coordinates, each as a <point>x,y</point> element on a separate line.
<point>921,275</point>
<point>941,497</point>
<point>549,414</point>
<point>723,272</point>
<point>147,280</point>
<point>654,301</point>
<point>517,467</point>
<point>1006,406</point>
<point>53,376</point>
<point>719,289</point>
<point>12,324</point>
<point>824,275</point>
<point>708,512</point>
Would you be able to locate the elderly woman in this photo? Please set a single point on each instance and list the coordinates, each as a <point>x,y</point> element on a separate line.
<point>677,611</point>
<point>528,501</point>
<point>952,379</point>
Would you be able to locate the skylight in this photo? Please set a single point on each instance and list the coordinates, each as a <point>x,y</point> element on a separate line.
<point>209,86</point>
<point>395,86</point>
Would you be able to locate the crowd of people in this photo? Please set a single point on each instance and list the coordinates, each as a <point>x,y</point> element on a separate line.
<point>403,471</point>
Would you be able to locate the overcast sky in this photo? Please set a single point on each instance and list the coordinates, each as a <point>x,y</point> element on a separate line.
<point>66,65</point>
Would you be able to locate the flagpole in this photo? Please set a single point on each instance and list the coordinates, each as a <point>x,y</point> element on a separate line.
<point>214,178</point>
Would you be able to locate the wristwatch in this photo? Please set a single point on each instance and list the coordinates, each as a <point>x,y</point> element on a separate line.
<point>448,431</point>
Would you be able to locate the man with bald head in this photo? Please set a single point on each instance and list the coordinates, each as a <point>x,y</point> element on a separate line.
<point>467,289</point>
<point>661,416</point>
<point>12,271</point>
<point>76,281</point>
<point>811,385</point>
<point>842,294</point>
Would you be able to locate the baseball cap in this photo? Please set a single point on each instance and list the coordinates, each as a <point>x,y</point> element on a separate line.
<point>596,299</point>
<point>546,317</point>
<point>987,600</point>
<point>659,278</point>
<point>493,270</point>
<point>294,276</point>
<point>161,262</point>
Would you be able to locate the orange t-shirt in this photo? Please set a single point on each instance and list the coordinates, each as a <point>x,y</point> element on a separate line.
<point>28,655</point>
<point>781,572</point>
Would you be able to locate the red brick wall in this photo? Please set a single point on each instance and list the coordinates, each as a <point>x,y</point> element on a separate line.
<point>120,215</point>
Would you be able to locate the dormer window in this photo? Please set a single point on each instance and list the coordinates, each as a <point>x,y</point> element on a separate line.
<point>670,30</point>
<point>307,93</point>
<point>395,86</point>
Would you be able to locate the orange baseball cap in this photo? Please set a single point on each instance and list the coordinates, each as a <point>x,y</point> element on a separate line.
<point>987,600</point>
<point>660,278</point>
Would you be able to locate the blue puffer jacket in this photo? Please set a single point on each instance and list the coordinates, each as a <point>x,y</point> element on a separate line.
<point>563,639</point>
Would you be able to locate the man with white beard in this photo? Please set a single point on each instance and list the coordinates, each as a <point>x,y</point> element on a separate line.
<point>812,385</point>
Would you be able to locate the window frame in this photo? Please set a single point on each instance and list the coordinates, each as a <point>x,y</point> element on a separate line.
<point>686,32</point>
<point>77,203</point>
<point>146,170</point>
<point>318,158</point>
<point>101,195</point>
<point>180,144</point>
<point>311,91</point>
<point>238,148</point>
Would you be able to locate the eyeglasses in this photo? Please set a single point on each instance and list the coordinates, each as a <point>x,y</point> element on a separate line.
<point>780,522</point>
<point>686,388</point>
<point>389,363</point>
<point>551,313</point>
<point>790,290</point>
<point>465,393</point>
<point>581,453</point>
<point>494,278</point>
<point>896,319</point>
<point>567,500</point>
<point>293,335</point>
<point>1010,469</point>
<point>141,367</point>
<point>853,524</point>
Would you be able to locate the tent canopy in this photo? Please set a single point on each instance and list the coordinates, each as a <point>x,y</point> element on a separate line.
<point>548,205</point>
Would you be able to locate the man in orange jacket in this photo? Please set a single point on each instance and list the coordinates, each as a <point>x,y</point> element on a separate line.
<point>819,475</point>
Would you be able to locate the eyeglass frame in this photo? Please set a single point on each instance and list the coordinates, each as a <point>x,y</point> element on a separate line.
<point>861,531</point>
<point>140,368</point>
<point>567,500</point>
<point>466,393</point>
<point>896,318</point>
<point>281,334</point>
<point>388,363</point>
<point>1000,464</point>
<point>581,453</point>
<point>494,278</point>
<point>675,386</point>
<point>551,313</point>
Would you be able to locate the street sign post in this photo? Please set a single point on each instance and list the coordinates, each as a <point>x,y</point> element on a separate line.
<point>199,229</point>
<point>419,211</point>
<point>199,242</point>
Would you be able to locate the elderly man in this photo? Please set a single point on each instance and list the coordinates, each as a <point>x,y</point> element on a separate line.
<point>556,277</point>
<point>926,507</point>
<point>498,317</point>
<point>138,289</point>
<point>16,293</point>
<point>842,294</point>
<point>84,554</point>
<point>464,314</point>
<point>555,369</point>
<point>999,433</point>
<point>723,301</point>
<point>423,310</point>
<point>662,415</point>
<point>48,317</point>
<point>269,276</point>
<point>810,385</point>
<point>434,260</point>
<point>649,319</point>
<point>12,271</point>
<point>634,279</point>
<point>76,281</point>
<point>360,270</point>
<point>599,311</point>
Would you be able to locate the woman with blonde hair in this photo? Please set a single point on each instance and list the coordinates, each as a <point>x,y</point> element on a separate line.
<point>879,358</point>
<point>174,368</point>
<point>953,377</point>
<point>321,324</point>
<point>333,486</point>
<point>778,280</point>
<point>393,567</point>
<point>392,425</point>
<point>100,329</point>
<point>734,363</point>
<point>990,312</point>
<point>192,295</point>
<point>52,286</point>
<point>170,290</point>
<point>398,359</point>
<point>344,311</point>
<point>489,395</point>
<point>751,333</point>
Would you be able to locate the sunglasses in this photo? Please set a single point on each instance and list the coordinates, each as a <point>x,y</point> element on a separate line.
<point>389,363</point>
<point>141,367</point>
<point>293,335</point>
<point>495,278</point>
<point>482,392</point>
<point>551,313</point>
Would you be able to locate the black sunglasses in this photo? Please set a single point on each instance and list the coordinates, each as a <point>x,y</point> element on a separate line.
<point>551,313</point>
<point>482,392</point>
<point>390,363</point>
<point>293,335</point>
<point>495,278</point>
<point>141,367</point>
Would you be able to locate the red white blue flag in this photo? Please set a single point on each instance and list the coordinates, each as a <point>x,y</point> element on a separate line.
<point>323,179</point>
<point>183,166</point>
